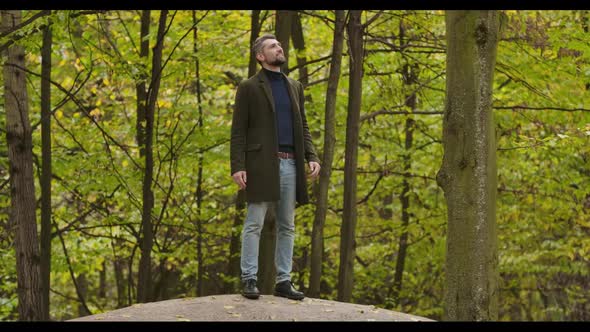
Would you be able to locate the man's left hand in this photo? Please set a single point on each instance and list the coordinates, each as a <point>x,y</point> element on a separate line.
<point>314,168</point>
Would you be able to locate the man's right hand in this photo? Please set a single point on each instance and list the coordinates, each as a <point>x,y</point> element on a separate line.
<point>240,179</point>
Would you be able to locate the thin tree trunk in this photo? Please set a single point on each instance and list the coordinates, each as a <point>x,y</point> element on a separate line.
<point>140,85</point>
<point>83,292</point>
<point>199,191</point>
<point>299,45</point>
<point>468,173</point>
<point>102,281</point>
<point>347,232</point>
<point>23,221</point>
<point>410,77</point>
<point>266,266</point>
<point>317,236</point>
<point>118,266</point>
<point>233,268</point>
<point>46,168</point>
<point>266,256</point>
<point>405,202</point>
<point>144,285</point>
<point>254,32</point>
<point>283,34</point>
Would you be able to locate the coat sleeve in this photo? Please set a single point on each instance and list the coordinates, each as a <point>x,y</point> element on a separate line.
<point>310,154</point>
<point>239,128</point>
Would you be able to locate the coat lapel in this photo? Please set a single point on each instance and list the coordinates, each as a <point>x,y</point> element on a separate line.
<point>265,85</point>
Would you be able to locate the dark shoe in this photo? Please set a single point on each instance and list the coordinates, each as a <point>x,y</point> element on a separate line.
<point>286,289</point>
<point>250,291</point>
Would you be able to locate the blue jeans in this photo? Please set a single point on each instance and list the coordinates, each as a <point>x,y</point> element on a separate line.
<point>285,221</point>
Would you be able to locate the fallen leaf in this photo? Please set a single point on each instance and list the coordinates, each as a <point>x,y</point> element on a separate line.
<point>183,320</point>
<point>329,310</point>
<point>370,320</point>
<point>228,307</point>
<point>235,314</point>
<point>98,318</point>
<point>126,316</point>
<point>179,316</point>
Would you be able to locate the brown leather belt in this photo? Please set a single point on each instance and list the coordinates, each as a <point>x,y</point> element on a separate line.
<point>286,155</point>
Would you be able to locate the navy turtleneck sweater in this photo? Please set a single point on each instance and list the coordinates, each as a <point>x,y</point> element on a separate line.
<point>284,115</point>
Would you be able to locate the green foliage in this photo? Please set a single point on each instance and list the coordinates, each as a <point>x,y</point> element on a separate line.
<point>543,176</point>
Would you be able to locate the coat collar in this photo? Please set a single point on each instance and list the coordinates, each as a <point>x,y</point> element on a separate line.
<point>264,84</point>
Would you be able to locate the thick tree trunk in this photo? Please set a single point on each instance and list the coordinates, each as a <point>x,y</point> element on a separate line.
<point>144,285</point>
<point>45,181</point>
<point>347,232</point>
<point>317,236</point>
<point>23,221</point>
<point>283,33</point>
<point>468,174</point>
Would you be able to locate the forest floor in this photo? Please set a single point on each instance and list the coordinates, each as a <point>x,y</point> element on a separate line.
<point>234,307</point>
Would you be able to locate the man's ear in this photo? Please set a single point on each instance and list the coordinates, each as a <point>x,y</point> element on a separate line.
<point>259,56</point>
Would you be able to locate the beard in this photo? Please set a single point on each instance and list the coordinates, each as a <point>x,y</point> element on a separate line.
<point>278,61</point>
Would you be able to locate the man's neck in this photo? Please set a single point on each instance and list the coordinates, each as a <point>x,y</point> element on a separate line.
<point>271,68</point>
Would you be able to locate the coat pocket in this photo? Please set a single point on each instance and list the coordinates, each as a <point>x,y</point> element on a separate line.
<point>253,147</point>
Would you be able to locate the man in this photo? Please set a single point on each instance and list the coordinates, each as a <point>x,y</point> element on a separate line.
<point>270,141</point>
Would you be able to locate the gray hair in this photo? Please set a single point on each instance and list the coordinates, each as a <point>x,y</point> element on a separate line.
<point>257,46</point>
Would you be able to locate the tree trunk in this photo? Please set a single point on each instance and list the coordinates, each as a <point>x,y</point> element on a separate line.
<point>102,282</point>
<point>199,191</point>
<point>82,294</point>
<point>255,31</point>
<point>299,44</point>
<point>347,232</point>
<point>468,172</point>
<point>283,33</point>
<point>233,268</point>
<point>140,84</point>
<point>118,267</point>
<point>409,78</point>
<point>266,253</point>
<point>23,220</point>
<point>144,285</point>
<point>45,181</point>
<point>317,236</point>
<point>405,202</point>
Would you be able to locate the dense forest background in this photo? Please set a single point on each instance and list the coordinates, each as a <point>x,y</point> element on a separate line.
<point>104,72</point>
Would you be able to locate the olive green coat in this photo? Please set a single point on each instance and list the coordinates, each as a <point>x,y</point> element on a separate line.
<point>254,139</point>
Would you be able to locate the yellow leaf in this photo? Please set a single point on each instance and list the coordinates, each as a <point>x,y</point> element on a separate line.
<point>98,102</point>
<point>95,112</point>
<point>59,114</point>
<point>92,198</point>
<point>106,82</point>
<point>125,163</point>
<point>228,307</point>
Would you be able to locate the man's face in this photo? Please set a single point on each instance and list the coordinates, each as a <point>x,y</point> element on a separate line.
<point>272,53</point>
